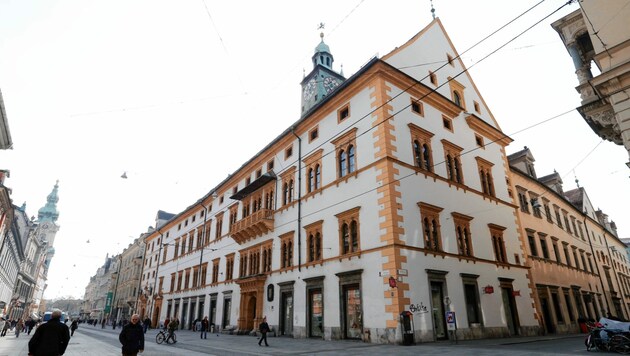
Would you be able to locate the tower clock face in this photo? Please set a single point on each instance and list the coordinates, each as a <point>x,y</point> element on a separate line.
<point>309,90</point>
<point>330,84</point>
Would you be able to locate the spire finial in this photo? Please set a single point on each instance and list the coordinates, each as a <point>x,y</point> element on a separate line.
<point>577,181</point>
<point>321,26</point>
<point>432,10</point>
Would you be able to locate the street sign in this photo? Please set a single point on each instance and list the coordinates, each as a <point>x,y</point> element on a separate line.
<point>450,320</point>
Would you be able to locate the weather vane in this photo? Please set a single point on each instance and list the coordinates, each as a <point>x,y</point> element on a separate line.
<point>321,26</point>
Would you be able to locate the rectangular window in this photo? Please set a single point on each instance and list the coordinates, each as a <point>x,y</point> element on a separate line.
<point>417,107</point>
<point>172,282</point>
<point>343,113</point>
<point>479,141</point>
<point>270,165</point>
<point>462,232</point>
<point>532,244</point>
<point>314,240</point>
<point>543,246</point>
<point>433,78</point>
<point>558,219</point>
<point>430,218</point>
<point>229,267</point>
<point>180,276</point>
<point>219,226</point>
<point>288,152</point>
<point>556,252</point>
<point>176,253</point>
<point>421,146</point>
<point>447,123</point>
<point>522,200</point>
<point>313,134</point>
<point>567,257</point>
<point>476,105</point>
<point>204,274</point>
<point>547,211</point>
<point>215,270</point>
<point>349,232</point>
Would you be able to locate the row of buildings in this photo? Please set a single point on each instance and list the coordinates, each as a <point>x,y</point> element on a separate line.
<point>390,200</point>
<point>26,245</point>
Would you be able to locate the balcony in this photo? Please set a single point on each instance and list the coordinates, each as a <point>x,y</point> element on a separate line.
<point>256,224</point>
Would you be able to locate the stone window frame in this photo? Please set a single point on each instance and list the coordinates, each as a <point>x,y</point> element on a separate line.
<point>287,249</point>
<point>346,221</point>
<point>453,162</point>
<point>314,253</point>
<point>431,226</point>
<point>346,148</point>
<point>313,166</point>
<point>463,234</point>
<point>484,168</point>
<point>498,242</point>
<point>421,147</point>
<point>287,179</point>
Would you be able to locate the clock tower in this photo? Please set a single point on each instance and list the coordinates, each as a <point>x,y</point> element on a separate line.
<point>322,80</point>
<point>46,218</point>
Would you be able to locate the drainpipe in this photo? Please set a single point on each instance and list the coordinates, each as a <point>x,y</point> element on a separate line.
<point>590,243</point>
<point>299,234</point>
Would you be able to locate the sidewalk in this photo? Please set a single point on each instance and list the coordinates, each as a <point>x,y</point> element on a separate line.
<point>89,340</point>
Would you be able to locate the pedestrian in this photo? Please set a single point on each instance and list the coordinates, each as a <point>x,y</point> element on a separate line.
<point>132,337</point>
<point>50,338</point>
<point>264,329</point>
<point>172,326</point>
<point>103,322</point>
<point>19,326</point>
<point>166,322</point>
<point>146,323</point>
<point>30,324</point>
<point>197,324</point>
<point>2,324</point>
<point>7,325</point>
<point>73,326</point>
<point>204,328</point>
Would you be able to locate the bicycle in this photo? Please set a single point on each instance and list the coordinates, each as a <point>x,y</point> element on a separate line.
<point>162,336</point>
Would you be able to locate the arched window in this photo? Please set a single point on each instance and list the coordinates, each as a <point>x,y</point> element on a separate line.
<point>318,246</point>
<point>345,238</point>
<point>311,180</point>
<point>354,236</point>
<point>291,190</point>
<point>318,176</point>
<point>342,163</point>
<point>311,248</point>
<point>457,98</point>
<point>351,161</point>
<point>458,174</point>
<point>426,152</point>
<point>417,151</point>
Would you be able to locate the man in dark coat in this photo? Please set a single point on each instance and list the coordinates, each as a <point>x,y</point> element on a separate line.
<point>264,329</point>
<point>51,338</point>
<point>132,337</point>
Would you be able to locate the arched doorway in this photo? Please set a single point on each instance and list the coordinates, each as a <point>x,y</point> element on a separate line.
<point>251,313</point>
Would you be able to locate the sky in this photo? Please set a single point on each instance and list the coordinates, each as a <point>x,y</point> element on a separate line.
<point>179,94</point>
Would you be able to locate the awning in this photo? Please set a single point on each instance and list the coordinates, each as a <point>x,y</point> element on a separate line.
<point>254,186</point>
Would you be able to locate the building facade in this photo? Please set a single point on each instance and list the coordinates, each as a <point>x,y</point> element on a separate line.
<point>577,263</point>
<point>598,33</point>
<point>127,287</point>
<point>387,200</point>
